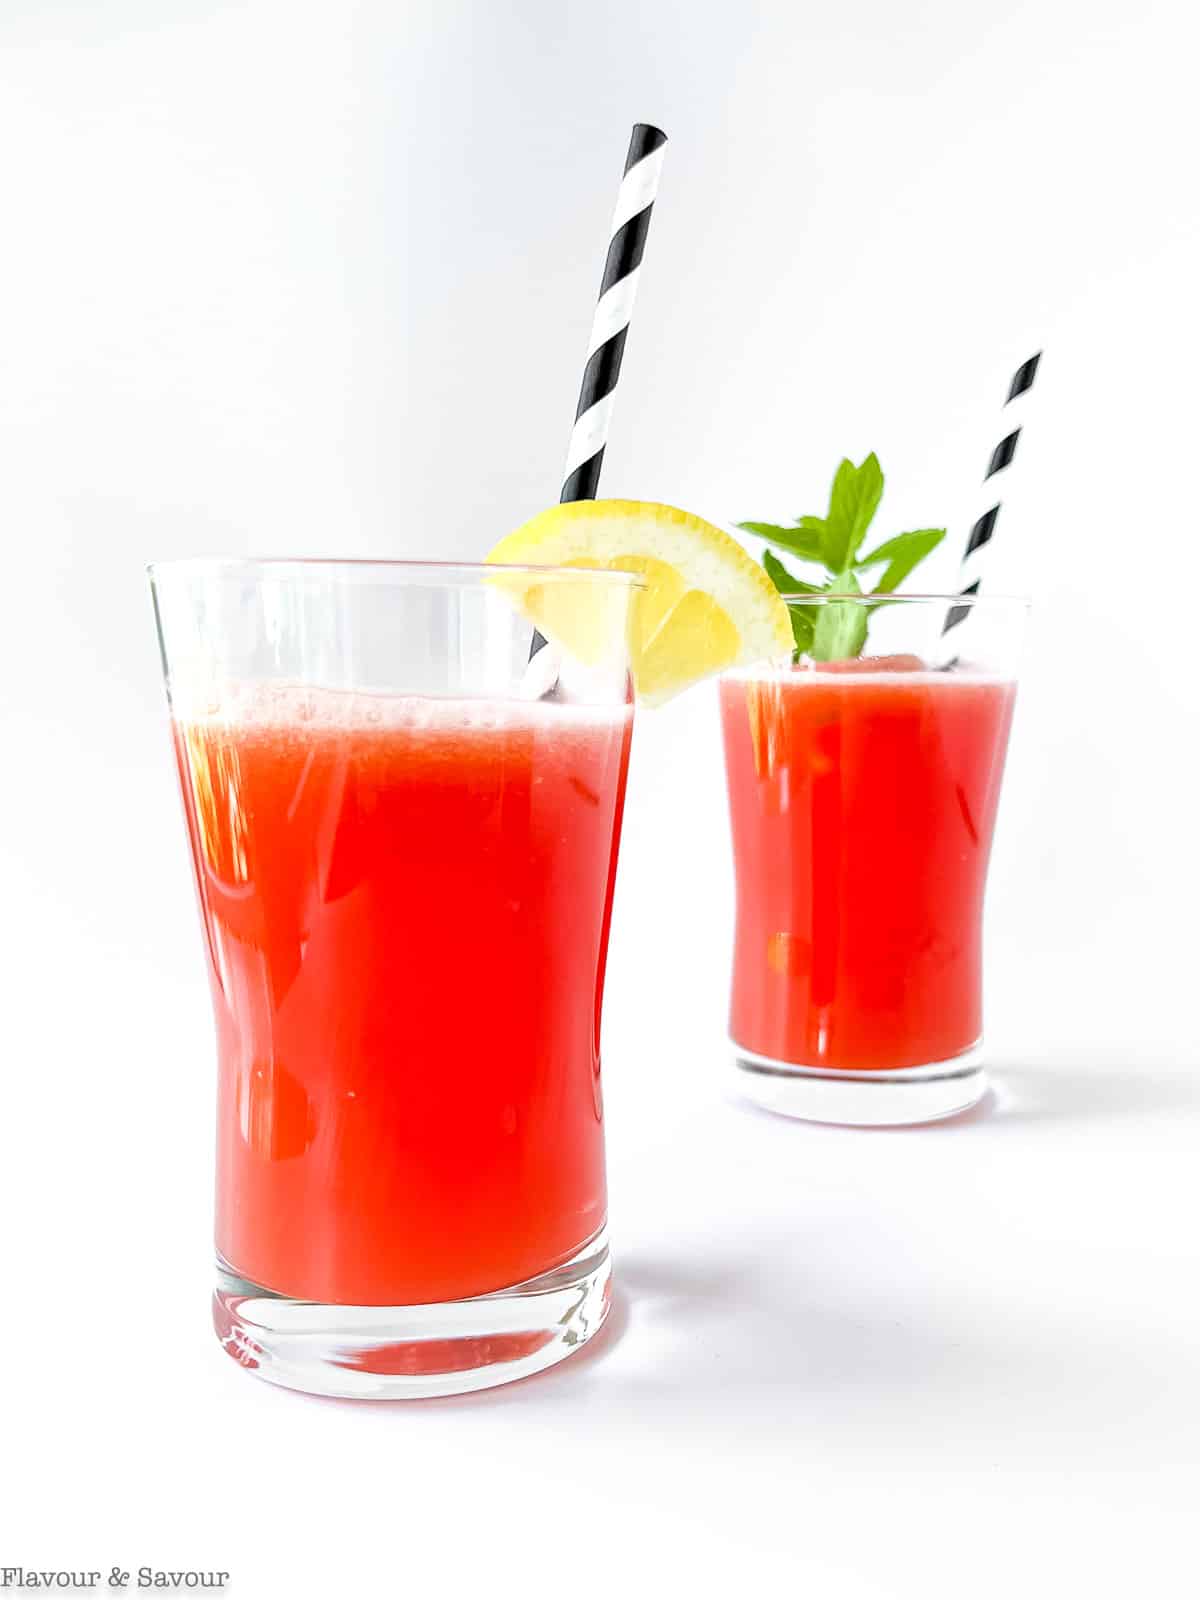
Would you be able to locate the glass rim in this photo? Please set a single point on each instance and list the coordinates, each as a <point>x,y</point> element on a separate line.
<point>967,601</point>
<point>449,574</point>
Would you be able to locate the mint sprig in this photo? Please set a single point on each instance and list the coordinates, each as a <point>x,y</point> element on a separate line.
<point>838,632</point>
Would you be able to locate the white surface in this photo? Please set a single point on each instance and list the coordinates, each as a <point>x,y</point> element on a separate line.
<point>280,278</point>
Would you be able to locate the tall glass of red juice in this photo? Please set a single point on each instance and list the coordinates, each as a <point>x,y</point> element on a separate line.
<point>404,810</point>
<point>862,797</point>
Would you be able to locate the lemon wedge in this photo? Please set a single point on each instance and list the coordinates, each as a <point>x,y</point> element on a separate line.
<point>705,604</point>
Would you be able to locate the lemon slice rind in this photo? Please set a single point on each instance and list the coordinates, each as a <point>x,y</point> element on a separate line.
<point>705,605</point>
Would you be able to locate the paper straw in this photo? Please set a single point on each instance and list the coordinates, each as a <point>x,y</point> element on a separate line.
<point>975,554</point>
<point>610,325</point>
<point>614,308</point>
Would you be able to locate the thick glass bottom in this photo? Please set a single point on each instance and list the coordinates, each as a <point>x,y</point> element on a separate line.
<point>862,1099</point>
<point>414,1352</point>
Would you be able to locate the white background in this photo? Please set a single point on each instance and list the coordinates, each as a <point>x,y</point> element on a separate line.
<point>287,277</point>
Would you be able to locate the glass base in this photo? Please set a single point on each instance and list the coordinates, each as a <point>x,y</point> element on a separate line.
<point>862,1099</point>
<point>414,1352</point>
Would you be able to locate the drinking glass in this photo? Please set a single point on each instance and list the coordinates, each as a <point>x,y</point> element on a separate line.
<point>862,798</point>
<point>404,810</point>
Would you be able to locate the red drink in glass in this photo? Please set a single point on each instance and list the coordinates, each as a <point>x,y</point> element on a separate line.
<point>862,798</point>
<point>406,906</point>
<point>404,806</point>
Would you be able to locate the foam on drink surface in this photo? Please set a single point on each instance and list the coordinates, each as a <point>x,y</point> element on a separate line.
<point>307,711</point>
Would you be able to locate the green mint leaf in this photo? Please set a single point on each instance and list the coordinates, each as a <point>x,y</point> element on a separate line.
<point>802,627</point>
<point>841,626</point>
<point>802,618</point>
<point>900,555</point>
<point>801,541</point>
<point>813,526</point>
<point>853,501</point>
<point>786,582</point>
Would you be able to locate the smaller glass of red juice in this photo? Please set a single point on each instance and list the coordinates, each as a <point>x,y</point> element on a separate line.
<point>862,798</point>
<point>403,807</point>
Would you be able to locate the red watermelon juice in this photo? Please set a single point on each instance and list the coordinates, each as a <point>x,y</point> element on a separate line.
<point>406,909</point>
<point>862,799</point>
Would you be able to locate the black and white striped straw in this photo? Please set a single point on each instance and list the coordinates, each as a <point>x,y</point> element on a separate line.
<point>981,533</point>
<point>618,287</point>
